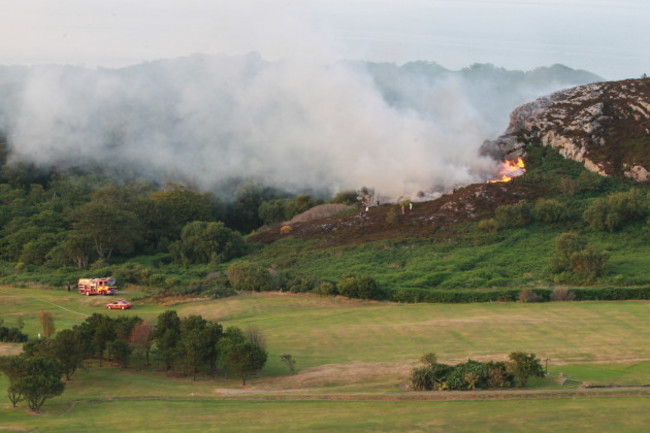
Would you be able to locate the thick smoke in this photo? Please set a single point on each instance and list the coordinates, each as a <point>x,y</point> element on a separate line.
<point>293,125</point>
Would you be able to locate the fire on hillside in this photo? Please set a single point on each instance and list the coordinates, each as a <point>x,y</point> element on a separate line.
<point>510,169</point>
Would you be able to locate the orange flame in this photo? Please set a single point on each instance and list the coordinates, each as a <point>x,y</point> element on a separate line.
<point>510,169</point>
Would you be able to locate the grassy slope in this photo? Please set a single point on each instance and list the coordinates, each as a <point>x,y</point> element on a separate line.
<point>461,256</point>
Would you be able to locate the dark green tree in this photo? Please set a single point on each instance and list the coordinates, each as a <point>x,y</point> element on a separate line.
<point>203,241</point>
<point>39,380</point>
<point>167,334</point>
<point>111,228</point>
<point>245,359</point>
<point>121,351</point>
<point>13,367</point>
<point>69,351</point>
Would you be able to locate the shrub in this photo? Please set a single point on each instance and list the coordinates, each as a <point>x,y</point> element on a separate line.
<point>589,263</point>
<point>618,208</point>
<point>525,365</point>
<point>202,242</point>
<point>12,335</point>
<point>562,294</point>
<point>325,288</point>
<point>302,284</point>
<point>489,225</point>
<point>249,276</point>
<point>527,295</point>
<point>514,215</point>
<point>565,246</point>
<point>549,210</point>
<point>363,287</point>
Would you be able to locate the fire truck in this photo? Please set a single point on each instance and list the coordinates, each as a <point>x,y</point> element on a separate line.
<point>97,286</point>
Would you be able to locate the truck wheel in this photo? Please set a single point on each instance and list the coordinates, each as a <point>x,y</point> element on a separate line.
<point>123,307</point>
<point>87,293</point>
<point>108,308</point>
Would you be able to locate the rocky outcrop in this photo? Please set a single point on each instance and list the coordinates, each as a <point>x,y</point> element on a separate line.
<point>605,126</point>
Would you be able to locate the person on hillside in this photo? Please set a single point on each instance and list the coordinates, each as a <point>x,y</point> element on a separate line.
<point>68,286</point>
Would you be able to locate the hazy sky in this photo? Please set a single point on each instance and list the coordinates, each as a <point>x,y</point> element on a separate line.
<point>608,37</point>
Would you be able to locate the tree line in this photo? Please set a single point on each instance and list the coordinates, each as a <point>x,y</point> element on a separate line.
<point>188,346</point>
<point>76,219</point>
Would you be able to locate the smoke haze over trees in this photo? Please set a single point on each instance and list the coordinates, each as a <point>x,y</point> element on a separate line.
<point>289,124</point>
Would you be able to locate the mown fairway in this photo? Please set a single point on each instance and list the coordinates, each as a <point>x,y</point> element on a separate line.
<point>360,351</point>
<point>539,415</point>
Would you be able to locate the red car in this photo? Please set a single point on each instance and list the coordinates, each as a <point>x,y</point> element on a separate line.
<point>120,304</point>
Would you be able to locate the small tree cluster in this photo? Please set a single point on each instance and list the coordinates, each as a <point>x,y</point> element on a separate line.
<point>611,213</point>
<point>573,254</point>
<point>205,242</point>
<point>514,215</point>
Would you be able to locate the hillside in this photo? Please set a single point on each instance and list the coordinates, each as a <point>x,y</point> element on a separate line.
<point>425,219</point>
<point>442,244</point>
<point>605,126</point>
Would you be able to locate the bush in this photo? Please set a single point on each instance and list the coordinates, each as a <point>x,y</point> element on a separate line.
<point>463,376</point>
<point>12,335</point>
<point>565,246</point>
<point>513,215</point>
<point>527,295</point>
<point>326,288</point>
<point>588,263</point>
<point>363,287</point>
<point>562,294</point>
<point>202,242</point>
<point>549,210</point>
<point>573,254</point>
<point>618,208</point>
<point>489,225</point>
<point>302,284</point>
<point>249,276</point>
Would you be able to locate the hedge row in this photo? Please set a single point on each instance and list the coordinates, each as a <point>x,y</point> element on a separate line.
<point>510,295</point>
<point>612,293</point>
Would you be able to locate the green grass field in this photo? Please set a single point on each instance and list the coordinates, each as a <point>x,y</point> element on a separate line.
<point>359,352</point>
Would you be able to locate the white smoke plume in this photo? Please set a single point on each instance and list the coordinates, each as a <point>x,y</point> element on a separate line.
<point>293,124</point>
